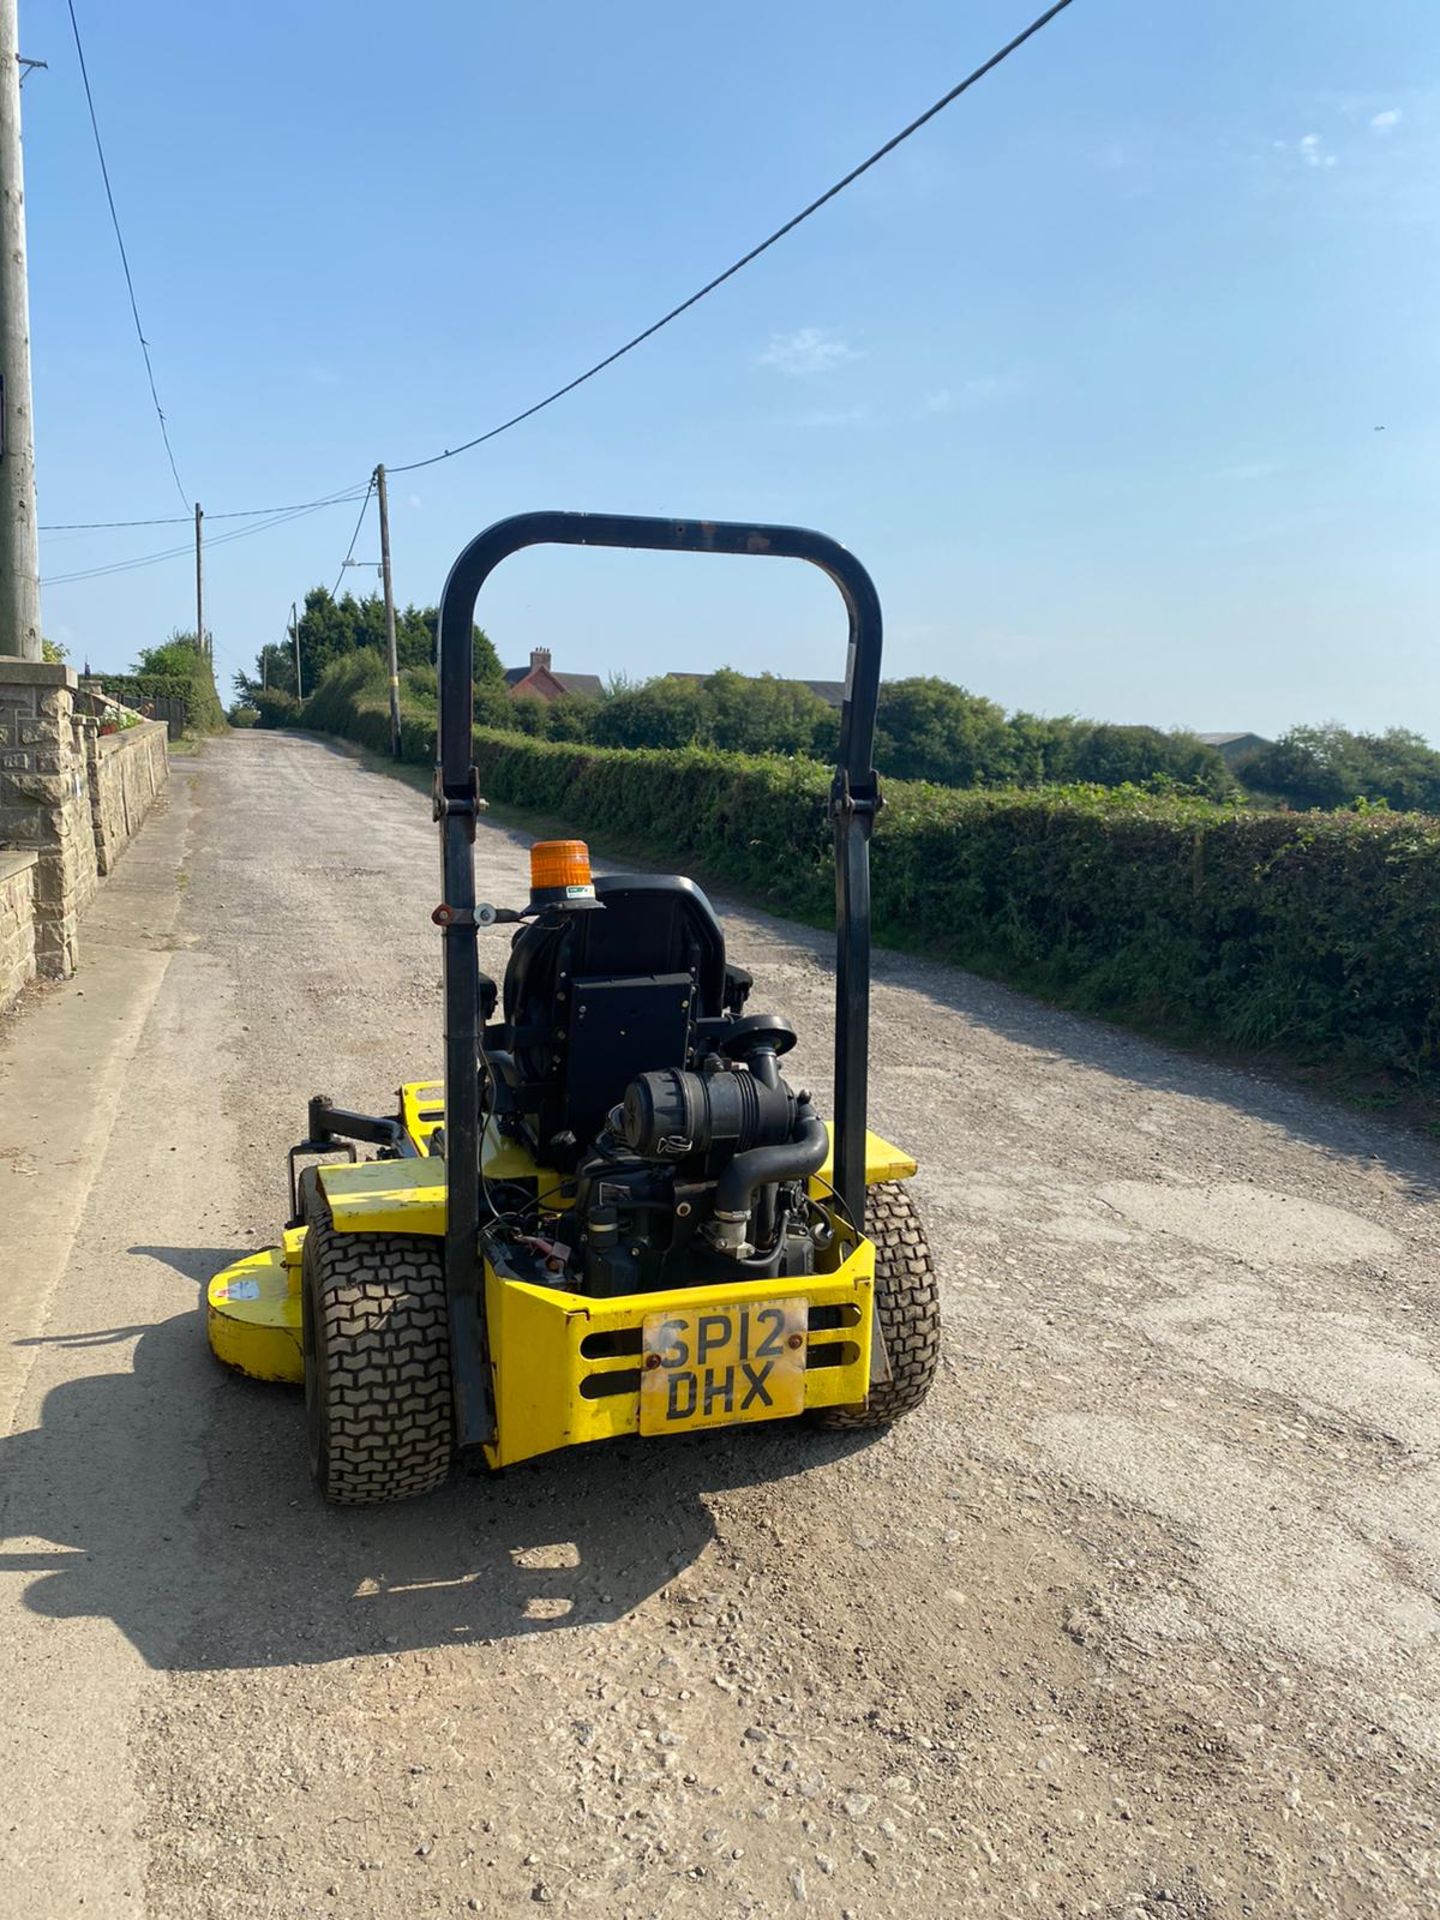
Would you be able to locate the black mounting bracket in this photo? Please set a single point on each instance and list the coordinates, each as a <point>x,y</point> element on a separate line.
<point>462,798</point>
<point>858,798</point>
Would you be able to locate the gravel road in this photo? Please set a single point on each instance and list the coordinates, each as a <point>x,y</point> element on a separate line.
<point>1137,1618</point>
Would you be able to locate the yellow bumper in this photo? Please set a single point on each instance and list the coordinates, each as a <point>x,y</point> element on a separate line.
<point>566,1368</point>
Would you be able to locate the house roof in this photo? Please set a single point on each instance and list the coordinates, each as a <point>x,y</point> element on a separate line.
<point>1225,739</point>
<point>590,685</point>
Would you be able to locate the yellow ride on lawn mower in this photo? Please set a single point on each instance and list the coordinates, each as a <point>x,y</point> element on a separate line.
<point>616,1215</point>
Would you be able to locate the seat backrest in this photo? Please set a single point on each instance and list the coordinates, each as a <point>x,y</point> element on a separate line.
<point>652,923</point>
<point>608,995</point>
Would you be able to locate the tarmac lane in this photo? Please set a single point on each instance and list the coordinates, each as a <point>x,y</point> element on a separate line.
<point>1138,1616</point>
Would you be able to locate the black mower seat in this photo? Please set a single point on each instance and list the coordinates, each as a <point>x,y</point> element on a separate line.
<point>608,995</point>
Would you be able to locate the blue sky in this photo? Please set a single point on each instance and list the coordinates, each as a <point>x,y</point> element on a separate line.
<point>1088,373</point>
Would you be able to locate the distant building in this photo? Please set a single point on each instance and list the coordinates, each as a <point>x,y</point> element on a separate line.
<point>832,692</point>
<point>1230,746</point>
<point>539,681</point>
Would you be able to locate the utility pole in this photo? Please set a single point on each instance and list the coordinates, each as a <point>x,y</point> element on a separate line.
<point>384,499</point>
<point>295,629</point>
<point>19,540</point>
<point>199,578</point>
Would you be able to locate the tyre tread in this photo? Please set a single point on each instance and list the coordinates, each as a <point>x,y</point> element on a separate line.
<point>383,1347</point>
<point>907,1300</point>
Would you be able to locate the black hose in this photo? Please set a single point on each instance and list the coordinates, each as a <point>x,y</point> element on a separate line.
<point>794,1159</point>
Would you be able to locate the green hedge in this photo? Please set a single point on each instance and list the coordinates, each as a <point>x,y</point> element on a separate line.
<point>134,689</point>
<point>275,708</point>
<point>203,712</point>
<point>1316,933</point>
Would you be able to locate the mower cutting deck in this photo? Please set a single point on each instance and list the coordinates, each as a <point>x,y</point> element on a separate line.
<point>616,1215</point>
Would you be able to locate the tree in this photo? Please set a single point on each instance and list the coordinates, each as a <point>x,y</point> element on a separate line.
<point>928,729</point>
<point>331,628</point>
<point>665,712</point>
<point>1331,767</point>
<point>1112,756</point>
<point>486,660</point>
<point>767,715</point>
<point>570,717</point>
<point>175,656</point>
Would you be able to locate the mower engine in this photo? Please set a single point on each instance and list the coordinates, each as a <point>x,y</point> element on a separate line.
<point>698,1174</point>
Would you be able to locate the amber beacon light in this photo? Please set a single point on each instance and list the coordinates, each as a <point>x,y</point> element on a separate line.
<point>560,874</point>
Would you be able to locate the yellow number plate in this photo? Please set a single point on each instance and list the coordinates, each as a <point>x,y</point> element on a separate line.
<point>718,1365</point>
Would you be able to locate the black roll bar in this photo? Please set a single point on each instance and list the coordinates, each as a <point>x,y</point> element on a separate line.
<point>854,801</point>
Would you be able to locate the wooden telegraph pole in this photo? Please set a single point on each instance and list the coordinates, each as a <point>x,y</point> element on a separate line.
<point>199,579</point>
<point>295,629</point>
<point>384,499</point>
<point>19,540</point>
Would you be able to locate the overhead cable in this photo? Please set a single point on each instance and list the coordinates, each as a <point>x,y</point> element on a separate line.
<point>174,553</point>
<point>745,259</point>
<point>124,256</point>
<point>350,550</point>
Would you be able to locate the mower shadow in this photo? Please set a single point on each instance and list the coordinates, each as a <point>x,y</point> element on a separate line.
<point>174,1500</point>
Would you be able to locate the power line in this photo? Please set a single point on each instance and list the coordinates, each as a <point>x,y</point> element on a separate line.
<point>175,553</point>
<point>124,257</point>
<point>349,551</point>
<point>169,553</point>
<point>185,519</point>
<point>829,194</point>
<point>92,526</point>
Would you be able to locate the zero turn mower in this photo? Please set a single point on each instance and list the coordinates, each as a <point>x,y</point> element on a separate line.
<point>616,1215</point>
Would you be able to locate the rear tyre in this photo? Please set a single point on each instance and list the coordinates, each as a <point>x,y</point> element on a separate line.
<point>907,1304</point>
<point>377,1363</point>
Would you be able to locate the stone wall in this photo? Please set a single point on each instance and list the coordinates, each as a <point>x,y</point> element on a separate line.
<point>68,795</point>
<point>17,923</point>
<point>127,770</point>
<point>45,800</point>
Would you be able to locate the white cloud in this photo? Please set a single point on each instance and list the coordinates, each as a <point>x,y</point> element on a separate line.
<point>941,401</point>
<point>1311,150</point>
<point>416,501</point>
<point>809,350</point>
<point>1383,122</point>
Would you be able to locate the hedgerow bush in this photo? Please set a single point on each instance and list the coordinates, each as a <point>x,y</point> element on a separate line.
<point>130,688</point>
<point>275,708</point>
<point>178,669</point>
<point>1315,933</point>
